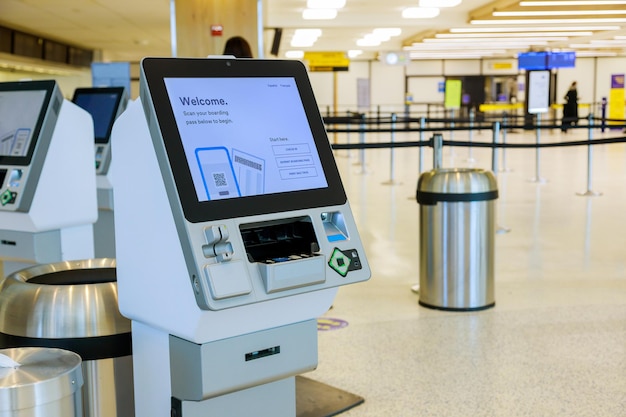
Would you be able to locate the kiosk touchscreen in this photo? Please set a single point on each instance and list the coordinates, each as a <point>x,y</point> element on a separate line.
<point>104,104</point>
<point>28,115</point>
<point>233,232</point>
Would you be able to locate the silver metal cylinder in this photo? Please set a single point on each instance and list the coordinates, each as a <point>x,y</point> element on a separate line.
<point>47,383</point>
<point>73,305</point>
<point>457,238</point>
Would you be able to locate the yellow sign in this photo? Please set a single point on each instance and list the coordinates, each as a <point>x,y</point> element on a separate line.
<point>452,95</point>
<point>327,61</point>
<point>502,65</point>
<point>616,98</point>
<point>500,107</point>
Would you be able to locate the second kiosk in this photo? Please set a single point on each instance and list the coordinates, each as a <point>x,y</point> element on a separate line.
<point>233,232</point>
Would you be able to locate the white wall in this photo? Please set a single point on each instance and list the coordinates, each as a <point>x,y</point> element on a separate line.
<point>387,83</point>
<point>67,84</point>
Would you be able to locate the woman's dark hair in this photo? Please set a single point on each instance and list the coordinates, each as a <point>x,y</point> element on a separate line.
<point>238,47</point>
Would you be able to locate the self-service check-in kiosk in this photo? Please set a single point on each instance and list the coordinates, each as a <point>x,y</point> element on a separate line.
<point>233,232</point>
<point>104,104</point>
<point>47,185</point>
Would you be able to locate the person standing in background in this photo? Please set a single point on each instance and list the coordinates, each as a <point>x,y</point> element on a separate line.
<point>570,108</point>
<point>237,47</point>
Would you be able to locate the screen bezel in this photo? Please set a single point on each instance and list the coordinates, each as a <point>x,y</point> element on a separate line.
<point>153,72</point>
<point>41,85</point>
<point>92,91</point>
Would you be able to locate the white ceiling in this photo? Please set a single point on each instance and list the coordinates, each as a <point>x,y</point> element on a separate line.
<point>127,30</point>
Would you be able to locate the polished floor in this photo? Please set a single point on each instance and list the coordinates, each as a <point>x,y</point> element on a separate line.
<point>555,342</point>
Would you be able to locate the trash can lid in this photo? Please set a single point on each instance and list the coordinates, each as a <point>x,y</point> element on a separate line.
<point>456,184</point>
<point>70,299</point>
<point>44,375</point>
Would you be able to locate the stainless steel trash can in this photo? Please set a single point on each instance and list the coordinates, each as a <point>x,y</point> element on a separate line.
<point>73,305</point>
<point>47,383</point>
<point>457,233</point>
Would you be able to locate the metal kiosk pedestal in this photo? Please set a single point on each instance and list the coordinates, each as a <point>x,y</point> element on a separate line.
<point>457,211</point>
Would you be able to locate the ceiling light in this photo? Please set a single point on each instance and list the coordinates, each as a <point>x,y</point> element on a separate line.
<point>490,35</point>
<point>492,45</point>
<point>353,53</point>
<point>456,55</point>
<point>594,45</point>
<point>609,41</point>
<point>388,32</point>
<point>420,12</point>
<point>368,41</point>
<point>499,39</point>
<point>294,54</point>
<point>546,21</point>
<point>302,42</point>
<point>378,36</point>
<point>594,53</point>
<point>325,4</point>
<point>557,13</point>
<point>439,3</point>
<point>530,29</point>
<point>319,14</point>
<point>572,3</point>
<point>303,38</point>
<point>313,33</point>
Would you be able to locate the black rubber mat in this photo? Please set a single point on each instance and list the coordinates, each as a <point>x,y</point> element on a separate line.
<point>316,399</point>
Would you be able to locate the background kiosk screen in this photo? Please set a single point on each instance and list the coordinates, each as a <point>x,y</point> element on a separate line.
<point>102,104</point>
<point>245,139</point>
<point>23,107</point>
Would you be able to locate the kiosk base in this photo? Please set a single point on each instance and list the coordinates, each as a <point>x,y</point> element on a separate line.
<point>242,376</point>
<point>316,399</point>
<point>275,399</point>
<point>313,399</point>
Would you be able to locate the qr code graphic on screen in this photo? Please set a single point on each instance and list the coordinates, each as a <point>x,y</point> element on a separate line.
<point>219,178</point>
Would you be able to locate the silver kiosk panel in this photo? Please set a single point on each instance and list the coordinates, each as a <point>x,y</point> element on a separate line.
<point>233,232</point>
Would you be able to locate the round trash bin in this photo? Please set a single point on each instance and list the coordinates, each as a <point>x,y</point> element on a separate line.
<point>47,383</point>
<point>73,305</point>
<point>457,233</point>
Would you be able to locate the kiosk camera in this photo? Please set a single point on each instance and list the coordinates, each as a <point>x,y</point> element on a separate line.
<point>104,104</point>
<point>233,232</point>
<point>47,190</point>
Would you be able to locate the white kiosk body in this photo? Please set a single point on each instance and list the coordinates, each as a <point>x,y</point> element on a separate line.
<point>233,232</point>
<point>47,184</point>
<point>104,104</point>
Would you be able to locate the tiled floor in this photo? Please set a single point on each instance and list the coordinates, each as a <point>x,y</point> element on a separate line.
<point>554,344</point>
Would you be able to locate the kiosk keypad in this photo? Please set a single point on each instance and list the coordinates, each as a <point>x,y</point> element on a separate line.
<point>10,190</point>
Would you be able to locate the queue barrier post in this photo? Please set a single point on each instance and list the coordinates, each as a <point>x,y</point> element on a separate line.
<point>391,181</point>
<point>538,179</point>
<point>589,192</point>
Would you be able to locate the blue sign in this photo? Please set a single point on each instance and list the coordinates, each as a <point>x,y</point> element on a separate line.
<point>111,74</point>
<point>562,59</point>
<point>532,60</point>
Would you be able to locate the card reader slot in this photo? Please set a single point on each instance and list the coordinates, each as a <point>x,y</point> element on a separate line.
<point>258,354</point>
<point>280,242</point>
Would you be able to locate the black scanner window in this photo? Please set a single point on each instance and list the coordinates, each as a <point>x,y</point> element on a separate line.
<point>279,242</point>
